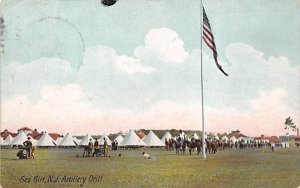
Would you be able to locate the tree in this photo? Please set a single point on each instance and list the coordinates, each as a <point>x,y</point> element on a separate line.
<point>289,124</point>
<point>235,132</point>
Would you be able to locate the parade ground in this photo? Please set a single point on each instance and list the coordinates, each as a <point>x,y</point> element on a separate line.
<point>65,167</point>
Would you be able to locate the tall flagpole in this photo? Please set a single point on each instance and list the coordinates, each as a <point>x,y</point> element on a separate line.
<point>202,102</point>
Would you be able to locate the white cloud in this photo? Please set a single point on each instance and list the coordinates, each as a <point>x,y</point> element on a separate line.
<point>267,115</point>
<point>269,101</point>
<point>99,56</point>
<point>131,65</point>
<point>246,60</point>
<point>66,109</point>
<point>249,73</point>
<point>61,108</point>
<point>102,57</point>
<point>108,87</point>
<point>105,75</point>
<point>60,95</point>
<point>163,43</point>
<point>29,78</point>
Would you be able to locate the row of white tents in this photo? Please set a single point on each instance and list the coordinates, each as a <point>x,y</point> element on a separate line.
<point>131,139</point>
<point>47,141</point>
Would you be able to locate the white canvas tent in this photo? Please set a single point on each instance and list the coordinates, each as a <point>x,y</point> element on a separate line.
<point>241,138</point>
<point>132,139</point>
<point>119,138</point>
<point>8,139</point>
<point>67,140</point>
<point>85,140</point>
<point>167,136</point>
<point>101,140</point>
<point>225,138</point>
<point>196,136</point>
<point>19,139</point>
<point>233,139</point>
<point>285,144</point>
<point>248,139</point>
<point>76,140</point>
<point>58,140</point>
<point>152,140</point>
<point>45,140</point>
<point>2,142</point>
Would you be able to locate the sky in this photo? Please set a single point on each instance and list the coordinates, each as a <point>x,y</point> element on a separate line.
<point>80,67</point>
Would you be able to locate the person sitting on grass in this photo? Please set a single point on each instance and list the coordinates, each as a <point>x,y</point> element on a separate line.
<point>146,156</point>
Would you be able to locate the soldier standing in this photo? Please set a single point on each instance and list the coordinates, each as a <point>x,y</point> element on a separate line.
<point>28,146</point>
<point>96,147</point>
<point>90,147</point>
<point>105,148</point>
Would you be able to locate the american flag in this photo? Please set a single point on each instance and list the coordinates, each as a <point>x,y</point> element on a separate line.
<point>209,40</point>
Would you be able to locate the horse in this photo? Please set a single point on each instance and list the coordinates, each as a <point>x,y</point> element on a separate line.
<point>242,145</point>
<point>178,146</point>
<point>197,144</point>
<point>208,146</point>
<point>171,144</point>
<point>185,143</point>
<point>221,145</point>
<point>166,144</point>
<point>214,147</point>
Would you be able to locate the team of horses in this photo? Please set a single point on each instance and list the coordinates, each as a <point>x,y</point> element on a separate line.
<point>181,145</point>
<point>211,145</point>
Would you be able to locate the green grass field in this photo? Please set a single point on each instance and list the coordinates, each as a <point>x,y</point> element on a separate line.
<point>229,168</point>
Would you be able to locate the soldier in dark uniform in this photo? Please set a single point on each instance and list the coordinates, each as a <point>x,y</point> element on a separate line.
<point>96,147</point>
<point>90,147</point>
<point>116,144</point>
<point>28,146</point>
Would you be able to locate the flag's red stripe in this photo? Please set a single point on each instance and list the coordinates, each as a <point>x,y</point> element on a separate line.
<point>208,35</point>
<point>207,30</point>
<point>209,44</point>
<point>209,40</point>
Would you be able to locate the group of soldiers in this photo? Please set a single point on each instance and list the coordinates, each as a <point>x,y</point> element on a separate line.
<point>27,151</point>
<point>97,149</point>
<point>114,145</point>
